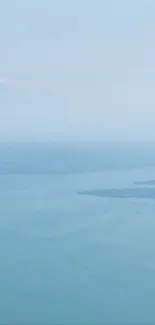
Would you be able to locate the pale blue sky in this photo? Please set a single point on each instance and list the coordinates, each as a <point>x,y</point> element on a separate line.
<point>77,69</point>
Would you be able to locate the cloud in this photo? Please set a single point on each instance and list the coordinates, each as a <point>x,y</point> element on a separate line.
<point>24,84</point>
<point>3,81</point>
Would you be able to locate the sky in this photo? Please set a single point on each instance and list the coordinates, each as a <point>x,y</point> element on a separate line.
<point>77,70</point>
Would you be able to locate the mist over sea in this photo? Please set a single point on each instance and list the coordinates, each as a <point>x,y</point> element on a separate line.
<point>67,255</point>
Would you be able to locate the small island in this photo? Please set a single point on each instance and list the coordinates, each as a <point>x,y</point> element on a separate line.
<point>152,182</point>
<point>124,193</point>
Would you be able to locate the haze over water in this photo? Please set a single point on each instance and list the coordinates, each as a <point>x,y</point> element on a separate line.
<point>76,259</point>
<point>77,219</point>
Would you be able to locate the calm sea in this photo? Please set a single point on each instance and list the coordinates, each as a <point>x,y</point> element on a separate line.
<point>75,259</point>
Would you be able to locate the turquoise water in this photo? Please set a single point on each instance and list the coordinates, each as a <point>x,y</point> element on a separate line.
<point>72,259</point>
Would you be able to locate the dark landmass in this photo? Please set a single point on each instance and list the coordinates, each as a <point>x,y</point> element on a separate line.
<point>124,193</point>
<point>152,182</point>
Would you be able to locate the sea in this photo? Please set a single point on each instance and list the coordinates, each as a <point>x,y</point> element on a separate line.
<point>67,258</point>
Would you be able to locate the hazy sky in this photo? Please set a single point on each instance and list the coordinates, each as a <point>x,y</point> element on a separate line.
<point>77,69</point>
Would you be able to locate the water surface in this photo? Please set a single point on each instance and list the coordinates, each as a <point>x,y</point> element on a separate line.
<point>75,259</point>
